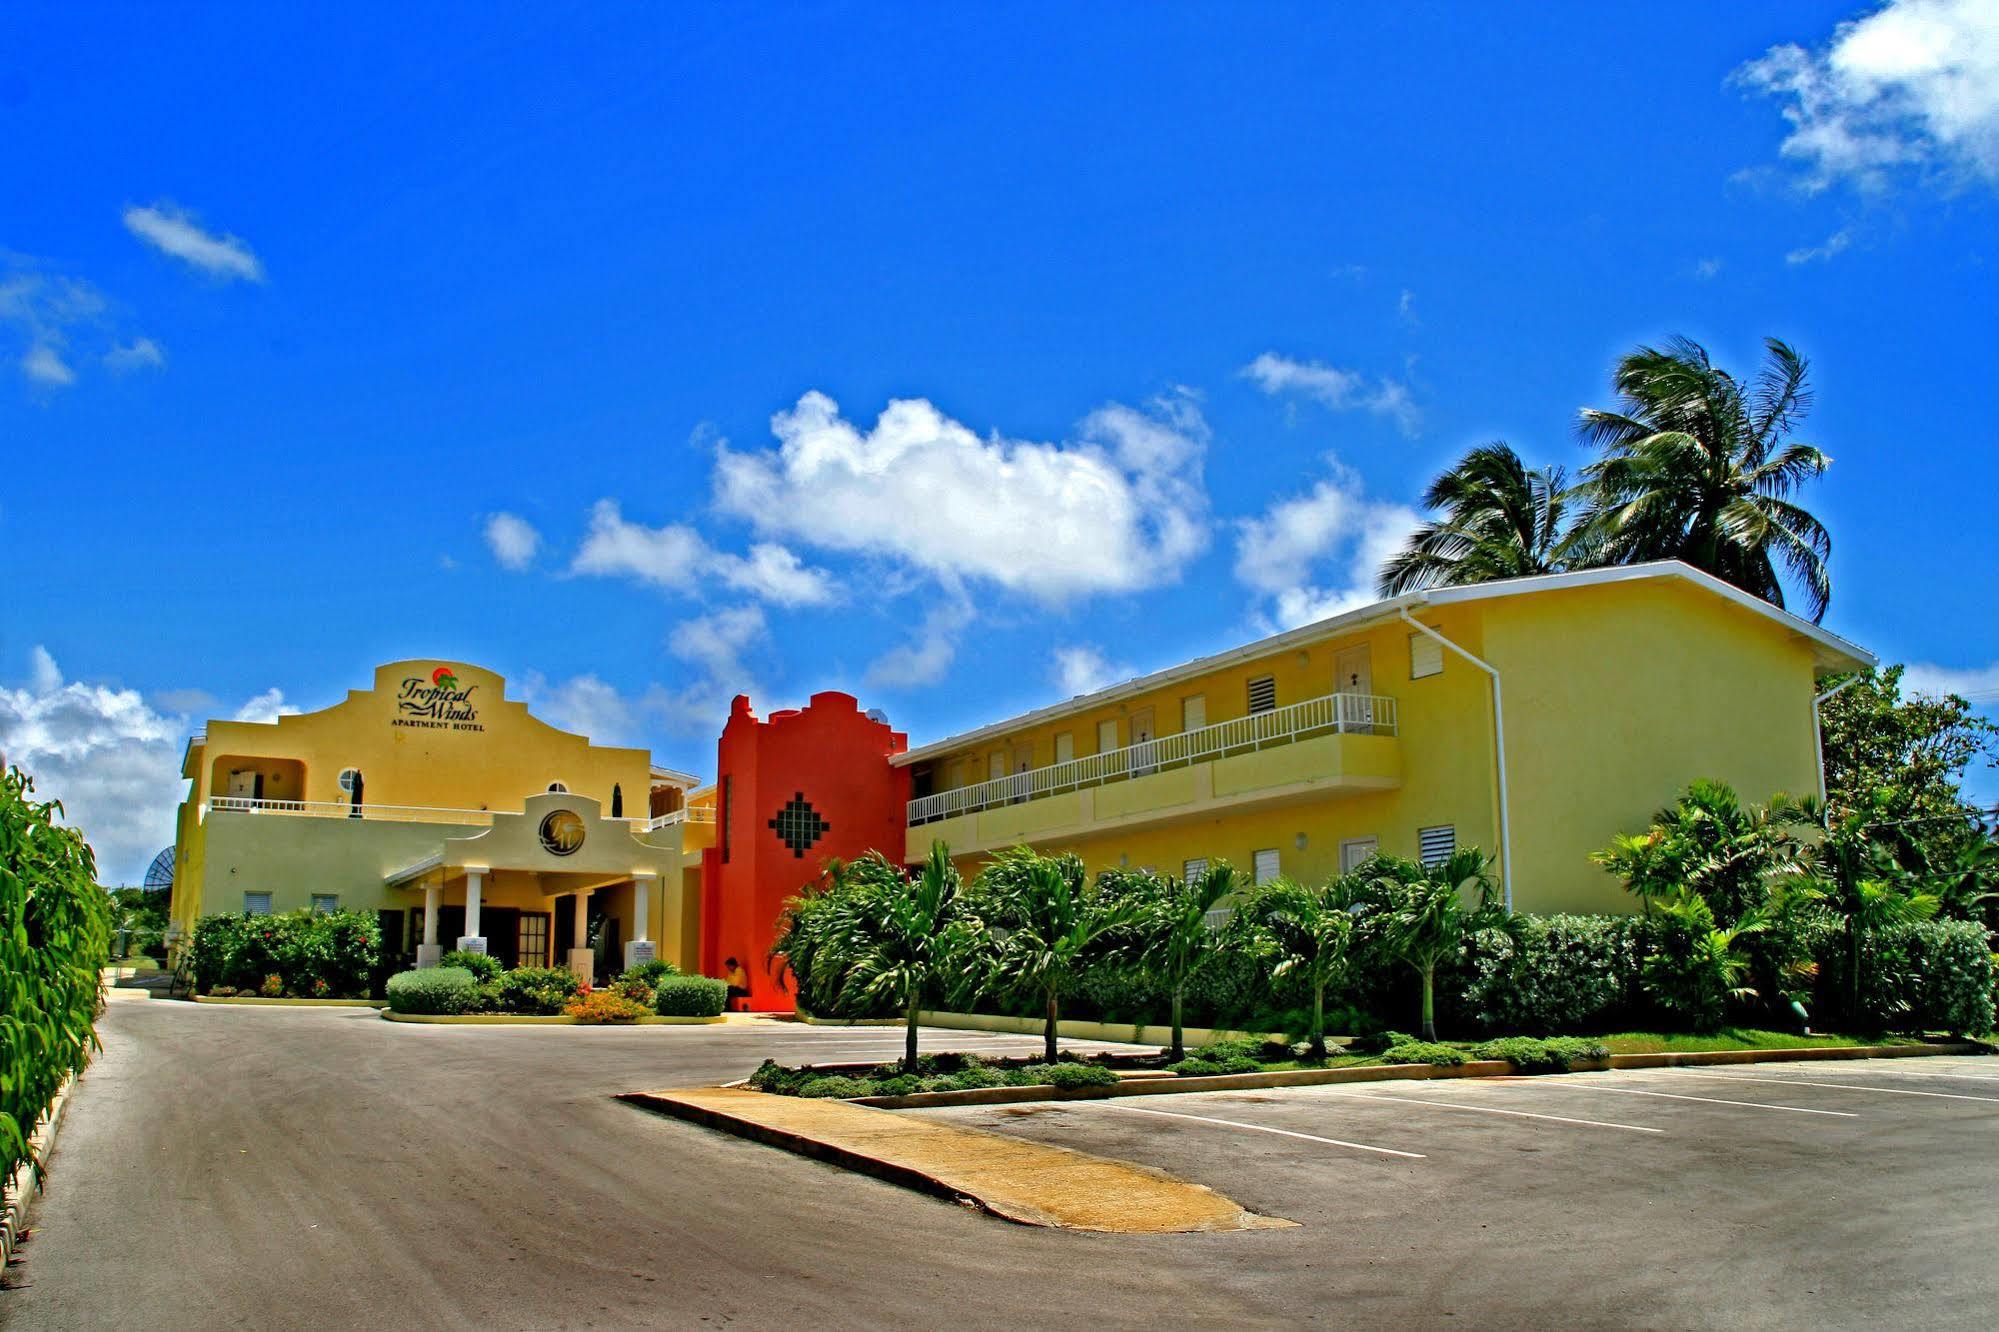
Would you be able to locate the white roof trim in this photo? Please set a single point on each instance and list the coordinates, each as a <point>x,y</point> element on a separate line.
<point>1835,653</point>
<point>674,777</point>
<point>414,870</point>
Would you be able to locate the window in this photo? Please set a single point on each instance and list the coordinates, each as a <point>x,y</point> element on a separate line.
<point>1263,694</point>
<point>350,783</point>
<point>1355,850</point>
<point>1106,736</point>
<point>922,782</point>
<point>725,807</point>
<point>1436,845</point>
<point>325,902</point>
<point>1268,865</point>
<point>1426,656</point>
<point>256,904</point>
<point>1065,746</point>
<point>558,788</point>
<point>1193,712</point>
<point>996,765</point>
<point>1193,870</point>
<point>617,800</point>
<point>531,943</point>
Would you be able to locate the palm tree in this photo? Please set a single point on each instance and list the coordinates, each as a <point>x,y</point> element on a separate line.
<point>899,941</point>
<point>1307,930</point>
<point>1698,467</point>
<point>1695,967</point>
<point>1857,879</point>
<point>1499,521</point>
<point>1429,924</point>
<point>1712,843</point>
<point>1045,927</point>
<point>1172,938</point>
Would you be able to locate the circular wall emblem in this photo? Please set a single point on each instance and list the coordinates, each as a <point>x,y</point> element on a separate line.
<point>562,832</point>
<point>444,678</point>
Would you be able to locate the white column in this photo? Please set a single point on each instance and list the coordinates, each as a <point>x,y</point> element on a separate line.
<point>472,941</point>
<point>582,961</point>
<point>429,951</point>
<point>639,948</point>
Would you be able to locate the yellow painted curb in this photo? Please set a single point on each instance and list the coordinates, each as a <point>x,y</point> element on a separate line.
<point>258,1001</point>
<point>1032,1183</point>
<point>532,1020</point>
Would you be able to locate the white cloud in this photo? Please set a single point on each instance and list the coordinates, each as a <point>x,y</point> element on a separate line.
<point>1405,308</point>
<point>925,658</point>
<point>1120,508</point>
<point>1975,684</point>
<point>1707,270</point>
<point>175,231</point>
<point>676,557</point>
<point>44,365</point>
<point>266,707</point>
<point>513,540</point>
<point>138,354</point>
<point>1912,87</point>
<point>1084,670</point>
<point>716,641</point>
<point>1834,245</point>
<point>1337,389</point>
<point>1317,554</point>
<point>586,705</point>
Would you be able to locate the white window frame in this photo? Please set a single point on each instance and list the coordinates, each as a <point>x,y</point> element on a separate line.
<point>1275,864</point>
<point>249,904</point>
<point>332,901</point>
<point>1430,858</point>
<point>1190,870</point>
<point>1426,656</point>
<point>1348,860</point>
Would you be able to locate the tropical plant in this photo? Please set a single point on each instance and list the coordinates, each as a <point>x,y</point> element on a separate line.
<point>1711,843</point>
<point>1432,919</point>
<point>55,935</point>
<point>897,942</point>
<point>483,966</point>
<point>1305,932</point>
<point>594,1007</point>
<point>1699,467</point>
<point>1858,880</point>
<point>1694,967</point>
<point>536,991</point>
<point>1498,520</point>
<point>1043,926</point>
<point>1173,938</point>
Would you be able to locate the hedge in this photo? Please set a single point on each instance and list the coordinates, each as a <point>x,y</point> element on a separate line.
<point>1934,975</point>
<point>432,990</point>
<point>314,954</point>
<point>689,996</point>
<point>55,933</point>
<point>1560,974</point>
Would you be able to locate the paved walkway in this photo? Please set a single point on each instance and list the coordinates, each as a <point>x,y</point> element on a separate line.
<point>1029,1182</point>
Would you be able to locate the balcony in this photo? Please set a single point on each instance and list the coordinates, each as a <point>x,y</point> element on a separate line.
<point>340,809</point>
<point>1315,747</point>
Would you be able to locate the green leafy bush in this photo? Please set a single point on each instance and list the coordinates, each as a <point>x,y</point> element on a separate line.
<point>973,1078</point>
<point>689,996</point>
<point>536,991</point>
<point>835,1088</point>
<point>1934,975</point>
<point>1532,1054</point>
<point>483,966</point>
<point>55,932</point>
<point>335,952</point>
<point>431,991</point>
<point>1554,973</point>
<point>1065,1076</point>
<point>1423,1052</point>
<point>650,973</point>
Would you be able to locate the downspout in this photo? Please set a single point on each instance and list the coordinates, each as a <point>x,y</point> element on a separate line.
<point>1498,747</point>
<point>1818,739</point>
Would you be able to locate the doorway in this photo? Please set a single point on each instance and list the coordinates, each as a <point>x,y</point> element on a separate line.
<point>1353,680</point>
<point>1143,759</point>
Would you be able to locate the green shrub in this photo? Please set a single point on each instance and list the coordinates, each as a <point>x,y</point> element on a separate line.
<point>775,1078</point>
<point>1561,973</point>
<point>55,932</point>
<point>836,1088</point>
<point>903,1084</point>
<point>950,1061</point>
<point>1531,1054</point>
<point>1063,1076</point>
<point>1423,1052</point>
<point>1202,1064</point>
<point>689,996</point>
<point>974,1078</point>
<point>650,973</point>
<point>431,990</point>
<point>536,991</point>
<point>338,952</point>
<point>940,1082</point>
<point>483,966</point>
<point>1933,975</point>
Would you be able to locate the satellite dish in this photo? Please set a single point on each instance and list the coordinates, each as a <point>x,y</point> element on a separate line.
<point>160,874</point>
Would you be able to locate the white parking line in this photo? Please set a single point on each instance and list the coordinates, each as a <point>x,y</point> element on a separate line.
<point>1674,1096</point>
<point>1261,1128</point>
<point>1491,1110</point>
<point>1847,1086</point>
<point>1933,1073</point>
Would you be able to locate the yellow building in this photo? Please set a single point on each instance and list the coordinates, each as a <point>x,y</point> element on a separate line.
<point>439,802</point>
<point>1532,718</point>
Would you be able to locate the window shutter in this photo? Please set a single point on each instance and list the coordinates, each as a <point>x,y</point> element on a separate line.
<point>1193,712</point>
<point>1263,694</point>
<point>1065,747</point>
<point>1436,845</point>
<point>1107,736</point>
<point>1356,850</point>
<point>1193,870</point>
<point>1267,865</point>
<point>1426,656</point>
<point>257,904</point>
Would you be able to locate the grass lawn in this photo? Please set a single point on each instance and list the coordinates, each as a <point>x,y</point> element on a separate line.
<point>1728,1038</point>
<point>138,962</point>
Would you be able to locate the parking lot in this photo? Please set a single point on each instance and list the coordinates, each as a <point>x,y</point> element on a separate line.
<point>326,1168</point>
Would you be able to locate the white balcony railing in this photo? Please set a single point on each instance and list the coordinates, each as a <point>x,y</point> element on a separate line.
<point>340,809</point>
<point>1360,714</point>
<point>689,814</point>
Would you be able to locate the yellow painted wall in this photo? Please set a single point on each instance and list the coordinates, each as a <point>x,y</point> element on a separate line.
<point>1619,695</point>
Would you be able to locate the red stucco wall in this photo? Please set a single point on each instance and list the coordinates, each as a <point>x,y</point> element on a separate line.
<point>829,760</point>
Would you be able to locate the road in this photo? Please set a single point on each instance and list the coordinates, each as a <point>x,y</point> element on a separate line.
<point>277,1168</point>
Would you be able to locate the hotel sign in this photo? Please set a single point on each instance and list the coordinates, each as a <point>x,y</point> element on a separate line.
<point>437,704</point>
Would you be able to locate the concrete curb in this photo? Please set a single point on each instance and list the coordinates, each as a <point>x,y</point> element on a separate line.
<point>258,1001</point>
<point>1321,1077</point>
<point>527,1020</point>
<point>1069,1031</point>
<point>18,1192</point>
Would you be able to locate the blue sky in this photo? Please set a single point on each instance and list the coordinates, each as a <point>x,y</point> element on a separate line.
<point>560,339</point>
